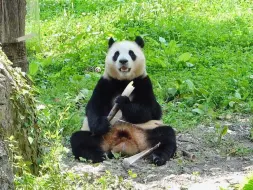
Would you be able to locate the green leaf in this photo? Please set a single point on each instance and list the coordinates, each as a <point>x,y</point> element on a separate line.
<point>33,68</point>
<point>190,84</point>
<point>172,91</point>
<point>199,111</point>
<point>238,95</point>
<point>178,83</point>
<point>82,159</point>
<point>231,104</point>
<point>184,57</point>
<point>217,126</point>
<point>132,174</point>
<point>224,131</point>
<point>30,139</point>
<point>162,40</point>
<point>188,64</point>
<point>172,48</point>
<point>116,155</point>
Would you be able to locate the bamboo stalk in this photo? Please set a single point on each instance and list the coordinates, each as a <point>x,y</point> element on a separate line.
<point>130,160</point>
<point>128,90</point>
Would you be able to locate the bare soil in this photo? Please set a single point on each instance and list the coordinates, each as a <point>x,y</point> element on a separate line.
<point>223,164</point>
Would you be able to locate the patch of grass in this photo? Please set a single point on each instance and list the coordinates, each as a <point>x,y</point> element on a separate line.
<point>240,151</point>
<point>199,57</point>
<point>198,53</point>
<point>52,177</point>
<point>249,184</point>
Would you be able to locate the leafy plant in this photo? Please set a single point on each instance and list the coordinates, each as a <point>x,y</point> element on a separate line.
<point>116,155</point>
<point>221,131</point>
<point>132,174</point>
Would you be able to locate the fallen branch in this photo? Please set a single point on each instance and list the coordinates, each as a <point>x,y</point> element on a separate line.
<point>189,155</point>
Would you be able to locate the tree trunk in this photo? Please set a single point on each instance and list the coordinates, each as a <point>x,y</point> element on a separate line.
<point>6,174</point>
<point>12,26</point>
<point>19,131</point>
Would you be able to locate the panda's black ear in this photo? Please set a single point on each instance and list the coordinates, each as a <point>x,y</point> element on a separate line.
<point>110,42</point>
<point>139,41</point>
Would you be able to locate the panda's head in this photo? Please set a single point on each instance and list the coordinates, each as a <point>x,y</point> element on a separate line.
<point>125,60</point>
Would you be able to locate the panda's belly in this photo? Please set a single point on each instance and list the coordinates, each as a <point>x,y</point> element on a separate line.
<point>126,139</point>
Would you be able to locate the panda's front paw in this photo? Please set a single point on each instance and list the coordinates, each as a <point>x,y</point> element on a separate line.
<point>98,158</point>
<point>121,100</point>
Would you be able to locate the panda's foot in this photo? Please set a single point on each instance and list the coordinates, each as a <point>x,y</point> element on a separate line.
<point>91,155</point>
<point>166,136</point>
<point>85,145</point>
<point>157,160</point>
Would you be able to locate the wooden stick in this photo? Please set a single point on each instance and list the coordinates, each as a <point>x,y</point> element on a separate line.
<point>113,112</point>
<point>128,90</point>
<point>26,37</point>
<point>189,155</point>
<point>130,160</point>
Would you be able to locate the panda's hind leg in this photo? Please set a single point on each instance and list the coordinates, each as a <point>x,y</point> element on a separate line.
<point>166,136</point>
<point>85,145</point>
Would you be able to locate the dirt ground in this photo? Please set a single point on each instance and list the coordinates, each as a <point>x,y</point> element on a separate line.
<point>216,165</point>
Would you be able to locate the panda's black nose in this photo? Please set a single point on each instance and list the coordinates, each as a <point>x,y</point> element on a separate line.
<point>123,61</point>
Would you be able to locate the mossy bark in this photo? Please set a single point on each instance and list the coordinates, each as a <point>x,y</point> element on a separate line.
<point>17,119</point>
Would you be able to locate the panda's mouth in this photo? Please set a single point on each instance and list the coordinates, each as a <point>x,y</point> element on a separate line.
<point>124,69</point>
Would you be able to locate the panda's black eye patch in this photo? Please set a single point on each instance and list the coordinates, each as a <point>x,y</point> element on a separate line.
<point>132,55</point>
<point>115,56</point>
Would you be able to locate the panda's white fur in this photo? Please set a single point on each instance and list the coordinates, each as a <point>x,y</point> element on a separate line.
<point>137,67</point>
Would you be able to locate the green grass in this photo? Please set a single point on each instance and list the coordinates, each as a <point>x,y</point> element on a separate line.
<point>199,56</point>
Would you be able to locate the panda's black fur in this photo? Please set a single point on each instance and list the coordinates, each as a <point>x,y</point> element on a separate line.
<point>142,108</point>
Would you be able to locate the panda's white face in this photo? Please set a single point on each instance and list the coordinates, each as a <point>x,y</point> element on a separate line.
<point>125,60</point>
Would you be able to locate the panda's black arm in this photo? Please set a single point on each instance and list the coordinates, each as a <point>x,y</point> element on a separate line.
<point>144,106</point>
<point>98,106</point>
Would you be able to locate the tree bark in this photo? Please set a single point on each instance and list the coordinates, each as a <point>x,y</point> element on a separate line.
<point>12,26</point>
<point>17,120</point>
<point>6,174</point>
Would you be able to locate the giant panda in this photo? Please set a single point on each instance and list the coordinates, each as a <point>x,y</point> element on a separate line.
<point>124,62</point>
